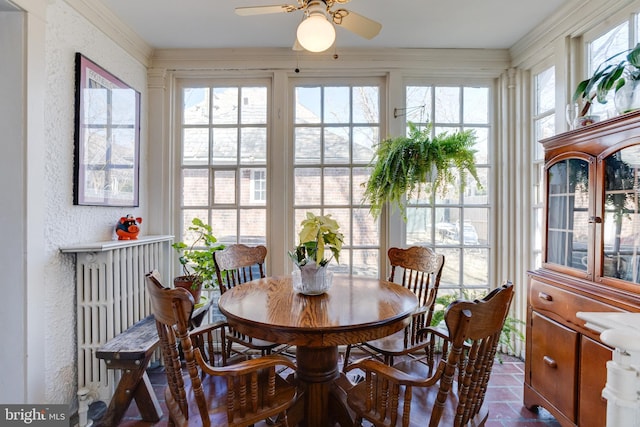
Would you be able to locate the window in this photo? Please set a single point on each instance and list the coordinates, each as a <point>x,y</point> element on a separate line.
<point>259,186</point>
<point>544,87</point>
<point>223,159</point>
<point>334,130</point>
<point>456,224</point>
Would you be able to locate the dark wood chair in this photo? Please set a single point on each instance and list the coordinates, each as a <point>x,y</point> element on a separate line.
<point>235,265</point>
<point>406,395</point>
<point>214,394</point>
<point>418,269</point>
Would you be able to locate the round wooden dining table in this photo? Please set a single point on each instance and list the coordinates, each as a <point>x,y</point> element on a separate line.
<point>353,310</point>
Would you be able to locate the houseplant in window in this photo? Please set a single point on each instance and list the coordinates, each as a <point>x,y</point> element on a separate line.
<point>622,77</point>
<point>196,259</point>
<point>318,233</point>
<point>402,164</point>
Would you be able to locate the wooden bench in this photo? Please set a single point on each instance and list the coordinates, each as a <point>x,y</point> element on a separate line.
<point>130,352</point>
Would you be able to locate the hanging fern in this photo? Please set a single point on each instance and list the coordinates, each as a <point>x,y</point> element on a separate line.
<point>402,164</point>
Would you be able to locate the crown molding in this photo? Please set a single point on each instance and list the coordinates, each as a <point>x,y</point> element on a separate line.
<point>461,62</point>
<point>100,16</point>
<point>572,19</point>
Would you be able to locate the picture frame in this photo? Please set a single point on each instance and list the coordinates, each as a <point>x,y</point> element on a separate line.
<point>107,138</point>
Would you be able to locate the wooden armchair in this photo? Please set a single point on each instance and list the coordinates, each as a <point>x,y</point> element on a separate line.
<point>216,395</point>
<point>235,265</point>
<point>418,269</point>
<point>405,395</point>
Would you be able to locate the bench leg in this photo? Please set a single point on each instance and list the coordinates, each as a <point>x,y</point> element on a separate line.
<point>134,384</point>
<point>147,401</point>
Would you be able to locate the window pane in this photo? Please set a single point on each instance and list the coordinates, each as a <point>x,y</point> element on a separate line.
<point>195,187</point>
<point>308,187</point>
<point>336,145</point>
<point>337,186</point>
<point>307,145</point>
<point>447,105</point>
<point>254,105</point>
<point>253,146</point>
<point>308,102</point>
<point>195,106</point>
<point>224,187</point>
<point>195,147</point>
<point>364,139</point>
<point>366,104</point>
<point>365,228</point>
<point>418,103</point>
<point>600,51</point>
<point>476,105</point>
<point>253,226</point>
<point>336,105</point>
<point>224,106</point>
<point>545,90</point>
<point>225,146</point>
<point>225,225</point>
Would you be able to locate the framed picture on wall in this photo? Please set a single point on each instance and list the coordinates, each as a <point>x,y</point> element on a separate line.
<point>107,138</point>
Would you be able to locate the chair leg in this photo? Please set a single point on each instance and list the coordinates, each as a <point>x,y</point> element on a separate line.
<point>347,353</point>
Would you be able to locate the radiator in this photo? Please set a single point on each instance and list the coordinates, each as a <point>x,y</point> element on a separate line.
<point>111,296</point>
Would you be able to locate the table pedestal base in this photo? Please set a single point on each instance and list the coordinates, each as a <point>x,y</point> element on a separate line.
<point>321,403</point>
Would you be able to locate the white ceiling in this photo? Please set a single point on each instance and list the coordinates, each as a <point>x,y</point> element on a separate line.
<point>405,23</point>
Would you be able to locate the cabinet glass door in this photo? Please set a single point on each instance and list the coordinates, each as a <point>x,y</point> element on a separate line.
<point>568,213</point>
<point>621,227</point>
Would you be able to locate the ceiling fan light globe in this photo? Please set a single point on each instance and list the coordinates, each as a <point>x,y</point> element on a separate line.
<point>316,33</point>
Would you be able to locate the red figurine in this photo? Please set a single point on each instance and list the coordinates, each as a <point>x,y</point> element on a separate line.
<point>127,228</point>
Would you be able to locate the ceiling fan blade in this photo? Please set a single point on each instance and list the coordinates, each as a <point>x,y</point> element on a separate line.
<point>262,10</point>
<point>358,24</point>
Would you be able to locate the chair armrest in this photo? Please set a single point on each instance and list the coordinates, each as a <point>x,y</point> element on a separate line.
<point>210,340</point>
<point>369,366</point>
<point>244,367</point>
<point>437,331</point>
<point>220,324</point>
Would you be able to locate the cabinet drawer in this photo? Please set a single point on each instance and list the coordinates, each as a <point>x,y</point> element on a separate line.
<point>549,299</point>
<point>553,363</point>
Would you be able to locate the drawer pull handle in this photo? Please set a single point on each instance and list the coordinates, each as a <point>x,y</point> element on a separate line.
<point>550,362</point>
<point>545,296</point>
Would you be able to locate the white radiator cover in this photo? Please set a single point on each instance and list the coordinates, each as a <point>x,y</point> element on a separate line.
<point>111,296</point>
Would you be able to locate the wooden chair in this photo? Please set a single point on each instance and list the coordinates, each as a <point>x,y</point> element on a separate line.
<point>217,395</point>
<point>235,265</point>
<point>405,395</point>
<point>418,269</point>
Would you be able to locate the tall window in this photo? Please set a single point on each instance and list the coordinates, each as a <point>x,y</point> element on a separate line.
<point>544,87</point>
<point>224,161</point>
<point>335,129</point>
<point>457,224</point>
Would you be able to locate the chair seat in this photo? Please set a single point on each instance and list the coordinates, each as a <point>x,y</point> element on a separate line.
<point>422,402</point>
<point>253,343</point>
<point>422,399</point>
<point>394,344</point>
<point>215,390</point>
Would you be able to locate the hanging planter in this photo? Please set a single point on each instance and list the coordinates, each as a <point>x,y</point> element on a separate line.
<point>403,163</point>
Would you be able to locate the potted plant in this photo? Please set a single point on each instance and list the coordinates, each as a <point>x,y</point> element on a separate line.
<point>198,267</point>
<point>612,76</point>
<point>318,233</point>
<point>403,163</point>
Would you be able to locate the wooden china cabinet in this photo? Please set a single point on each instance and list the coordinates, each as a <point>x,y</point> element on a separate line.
<point>590,262</point>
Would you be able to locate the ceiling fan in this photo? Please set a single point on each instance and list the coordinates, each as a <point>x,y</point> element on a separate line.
<point>316,32</point>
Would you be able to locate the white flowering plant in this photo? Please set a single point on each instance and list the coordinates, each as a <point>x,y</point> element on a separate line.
<point>318,233</point>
